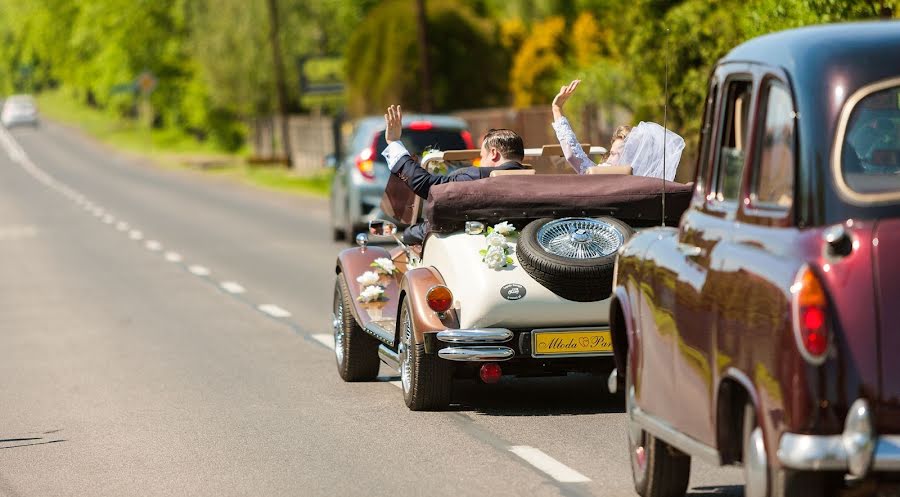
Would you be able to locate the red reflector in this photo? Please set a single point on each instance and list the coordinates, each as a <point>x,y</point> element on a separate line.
<point>813,318</point>
<point>490,372</point>
<point>467,138</point>
<point>420,125</point>
<point>816,343</point>
<point>439,298</point>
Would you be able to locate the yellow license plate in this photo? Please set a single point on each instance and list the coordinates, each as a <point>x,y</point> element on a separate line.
<point>571,343</point>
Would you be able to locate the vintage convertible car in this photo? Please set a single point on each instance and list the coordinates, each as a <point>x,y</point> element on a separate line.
<point>481,299</point>
<point>763,331</point>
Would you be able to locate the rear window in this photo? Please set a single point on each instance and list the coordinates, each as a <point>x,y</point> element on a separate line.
<point>417,141</point>
<point>870,154</point>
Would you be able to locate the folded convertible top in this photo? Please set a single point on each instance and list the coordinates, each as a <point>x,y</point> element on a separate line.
<point>636,200</point>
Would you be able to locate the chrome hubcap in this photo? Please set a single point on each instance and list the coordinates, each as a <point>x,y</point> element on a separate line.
<point>405,356</point>
<point>337,323</point>
<point>755,465</point>
<point>580,238</point>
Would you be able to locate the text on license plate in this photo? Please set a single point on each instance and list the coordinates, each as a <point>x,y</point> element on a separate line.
<point>550,343</point>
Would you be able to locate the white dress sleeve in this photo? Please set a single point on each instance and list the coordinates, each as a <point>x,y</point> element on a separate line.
<point>575,156</point>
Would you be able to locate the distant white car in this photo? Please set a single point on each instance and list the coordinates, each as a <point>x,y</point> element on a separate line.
<point>19,110</point>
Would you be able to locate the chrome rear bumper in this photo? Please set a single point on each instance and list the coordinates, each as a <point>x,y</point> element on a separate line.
<point>857,450</point>
<point>473,345</point>
<point>477,354</point>
<point>487,335</point>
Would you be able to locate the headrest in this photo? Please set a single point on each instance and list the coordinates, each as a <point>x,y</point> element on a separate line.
<point>609,170</point>
<point>510,172</point>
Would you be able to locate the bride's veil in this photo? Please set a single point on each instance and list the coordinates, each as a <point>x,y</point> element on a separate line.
<point>643,151</point>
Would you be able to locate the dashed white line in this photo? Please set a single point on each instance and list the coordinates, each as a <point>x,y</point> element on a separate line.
<point>108,219</point>
<point>199,270</point>
<point>274,311</point>
<point>173,257</point>
<point>232,287</point>
<point>555,469</point>
<point>135,235</point>
<point>325,339</point>
<point>153,245</point>
<point>122,226</point>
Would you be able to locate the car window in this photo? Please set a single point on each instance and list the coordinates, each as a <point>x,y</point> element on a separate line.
<point>773,178</point>
<point>706,137</point>
<point>733,144</point>
<point>417,141</point>
<point>870,155</point>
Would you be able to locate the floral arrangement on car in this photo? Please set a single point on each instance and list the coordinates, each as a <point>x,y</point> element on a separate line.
<point>373,282</point>
<point>436,167</point>
<point>497,254</point>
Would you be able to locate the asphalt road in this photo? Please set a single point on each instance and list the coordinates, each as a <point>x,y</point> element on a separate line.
<point>165,333</point>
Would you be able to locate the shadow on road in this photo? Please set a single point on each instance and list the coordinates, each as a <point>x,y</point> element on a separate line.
<point>556,396</point>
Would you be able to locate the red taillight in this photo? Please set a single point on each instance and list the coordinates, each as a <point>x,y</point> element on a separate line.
<point>364,163</point>
<point>420,125</point>
<point>439,298</point>
<point>490,372</point>
<point>467,138</point>
<point>810,316</point>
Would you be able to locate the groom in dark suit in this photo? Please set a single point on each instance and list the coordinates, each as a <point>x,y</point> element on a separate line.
<point>502,149</point>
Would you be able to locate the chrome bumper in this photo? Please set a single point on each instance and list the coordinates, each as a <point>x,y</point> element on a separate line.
<point>856,450</point>
<point>476,354</point>
<point>471,345</point>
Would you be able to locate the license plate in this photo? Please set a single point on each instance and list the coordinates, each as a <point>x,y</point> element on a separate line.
<point>561,343</point>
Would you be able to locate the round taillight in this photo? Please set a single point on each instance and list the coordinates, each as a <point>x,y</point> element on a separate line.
<point>439,298</point>
<point>490,372</point>
<point>810,316</point>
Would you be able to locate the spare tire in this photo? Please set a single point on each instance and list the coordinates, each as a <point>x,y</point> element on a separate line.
<point>573,257</point>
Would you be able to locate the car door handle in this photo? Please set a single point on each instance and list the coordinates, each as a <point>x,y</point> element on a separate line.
<point>689,250</point>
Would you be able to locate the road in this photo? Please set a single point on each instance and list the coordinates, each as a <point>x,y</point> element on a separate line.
<point>166,333</point>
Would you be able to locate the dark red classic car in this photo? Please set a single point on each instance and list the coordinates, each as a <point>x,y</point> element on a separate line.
<point>765,329</point>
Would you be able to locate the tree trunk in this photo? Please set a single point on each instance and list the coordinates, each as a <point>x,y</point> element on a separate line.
<point>280,85</point>
<point>423,55</point>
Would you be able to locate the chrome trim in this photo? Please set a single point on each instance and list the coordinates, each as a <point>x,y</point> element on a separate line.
<point>389,357</point>
<point>377,330</point>
<point>670,435</point>
<point>476,354</point>
<point>756,477</point>
<point>486,335</point>
<point>612,383</point>
<point>843,188</point>
<point>474,227</point>
<point>858,438</point>
<point>795,317</point>
<point>362,240</point>
<point>827,452</point>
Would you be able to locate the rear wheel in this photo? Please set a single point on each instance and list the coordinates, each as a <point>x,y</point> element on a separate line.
<point>356,352</point>
<point>427,380</point>
<point>657,468</point>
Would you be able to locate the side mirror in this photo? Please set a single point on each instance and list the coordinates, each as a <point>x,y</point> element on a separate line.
<point>380,227</point>
<point>331,161</point>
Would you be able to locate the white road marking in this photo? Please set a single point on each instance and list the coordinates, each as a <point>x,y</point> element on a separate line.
<point>274,311</point>
<point>397,383</point>
<point>555,469</point>
<point>153,245</point>
<point>14,232</point>
<point>108,219</point>
<point>325,339</point>
<point>173,257</point>
<point>232,287</point>
<point>122,226</point>
<point>199,270</point>
<point>135,235</point>
<point>98,212</point>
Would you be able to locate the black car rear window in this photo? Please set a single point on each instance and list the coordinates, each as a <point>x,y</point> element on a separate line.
<point>417,141</point>
<point>870,158</point>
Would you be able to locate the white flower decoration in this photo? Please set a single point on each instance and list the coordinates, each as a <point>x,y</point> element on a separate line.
<point>384,265</point>
<point>371,293</point>
<point>495,258</point>
<point>368,278</point>
<point>496,240</point>
<point>504,228</point>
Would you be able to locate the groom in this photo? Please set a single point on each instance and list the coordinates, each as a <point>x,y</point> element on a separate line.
<point>502,149</point>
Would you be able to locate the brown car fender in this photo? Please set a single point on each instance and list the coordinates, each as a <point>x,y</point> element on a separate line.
<point>413,288</point>
<point>621,322</point>
<point>353,262</point>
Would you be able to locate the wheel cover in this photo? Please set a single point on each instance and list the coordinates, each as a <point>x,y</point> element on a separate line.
<point>405,356</point>
<point>579,238</point>
<point>755,472</point>
<point>337,323</point>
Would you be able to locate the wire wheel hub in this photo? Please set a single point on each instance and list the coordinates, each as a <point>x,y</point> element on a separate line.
<point>580,238</point>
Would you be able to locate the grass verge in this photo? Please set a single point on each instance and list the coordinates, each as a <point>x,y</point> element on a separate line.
<point>175,149</point>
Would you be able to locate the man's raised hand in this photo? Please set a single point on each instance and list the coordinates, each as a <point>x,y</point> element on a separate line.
<point>393,124</point>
